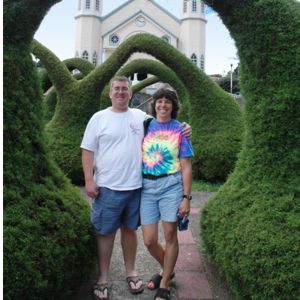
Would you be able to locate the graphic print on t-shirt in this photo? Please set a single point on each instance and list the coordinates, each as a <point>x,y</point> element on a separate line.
<point>163,145</point>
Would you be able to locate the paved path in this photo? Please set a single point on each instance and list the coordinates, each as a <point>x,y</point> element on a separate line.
<point>196,276</point>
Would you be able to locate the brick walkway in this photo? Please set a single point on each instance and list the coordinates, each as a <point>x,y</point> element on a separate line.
<point>193,281</point>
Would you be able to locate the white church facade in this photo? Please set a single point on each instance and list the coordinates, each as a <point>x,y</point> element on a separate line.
<point>97,36</point>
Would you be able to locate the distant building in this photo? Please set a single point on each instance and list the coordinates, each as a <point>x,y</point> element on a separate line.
<point>98,36</point>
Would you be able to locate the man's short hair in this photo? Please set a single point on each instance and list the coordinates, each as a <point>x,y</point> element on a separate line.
<point>120,78</point>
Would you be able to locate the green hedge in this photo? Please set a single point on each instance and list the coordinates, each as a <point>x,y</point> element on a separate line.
<point>251,228</point>
<point>163,73</point>
<point>215,117</point>
<point>50,99</point>
<point>46,221</point>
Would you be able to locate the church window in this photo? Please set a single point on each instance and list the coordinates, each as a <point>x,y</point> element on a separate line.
<point>194,5</point>
<point>76,54</point>
<point>202,62</point>
<point>85,55</point>
<point>79,4</point>
<point>166,38</point>
<point>97,5</point>
<point>202,7</point>
<point>185,6</point>
<point>95,58</point>
<point>114,39</point>
<point>194,58</point>
<point>87,4</point>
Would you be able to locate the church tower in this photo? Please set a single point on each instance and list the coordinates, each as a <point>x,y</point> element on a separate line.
<point>192,31</point>
<point>88,40</point>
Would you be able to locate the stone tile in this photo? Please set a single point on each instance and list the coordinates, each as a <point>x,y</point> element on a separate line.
<point>189,259</point>
<point>185,237</point>
<point>192,286</point>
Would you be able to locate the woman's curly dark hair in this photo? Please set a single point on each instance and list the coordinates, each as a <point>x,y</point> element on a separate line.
<point>170,95</point>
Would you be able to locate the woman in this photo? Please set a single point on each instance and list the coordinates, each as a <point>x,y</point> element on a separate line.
<point>167,173</point>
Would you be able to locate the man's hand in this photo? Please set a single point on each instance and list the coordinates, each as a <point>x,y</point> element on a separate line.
<point>187,130</point>
<point>92,189</point>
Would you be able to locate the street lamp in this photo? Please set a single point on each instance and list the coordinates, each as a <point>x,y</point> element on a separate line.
<point>230,78</point>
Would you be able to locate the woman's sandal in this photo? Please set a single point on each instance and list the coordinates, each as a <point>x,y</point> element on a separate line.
<point>162,293</point>
<point>100,288</point>
<point>156,279</point>
<point>134,280</point>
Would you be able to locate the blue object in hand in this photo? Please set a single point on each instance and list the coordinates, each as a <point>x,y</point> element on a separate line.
<point>183,222</point>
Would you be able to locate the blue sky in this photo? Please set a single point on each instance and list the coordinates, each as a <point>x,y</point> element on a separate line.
<point>57,32</point>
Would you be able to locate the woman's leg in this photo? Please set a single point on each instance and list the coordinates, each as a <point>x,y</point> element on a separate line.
<point>150,235</point>
<point>171,252</point>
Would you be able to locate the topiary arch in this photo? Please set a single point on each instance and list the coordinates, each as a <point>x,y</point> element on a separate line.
<point>216,118</point>
<point>50,99</point>
<point>162,72</point>
<point>251,228</point>
<point>46,221</point>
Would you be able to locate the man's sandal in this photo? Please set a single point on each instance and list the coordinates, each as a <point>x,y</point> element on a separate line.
<point>134,280</point>
<point>162,293</point>
<point>102,288</point>
<point>156,279</point>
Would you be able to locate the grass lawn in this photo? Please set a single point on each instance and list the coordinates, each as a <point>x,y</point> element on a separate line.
<point>205,186</point>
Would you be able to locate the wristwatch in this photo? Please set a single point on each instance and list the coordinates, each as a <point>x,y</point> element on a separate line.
<point>189,197</point>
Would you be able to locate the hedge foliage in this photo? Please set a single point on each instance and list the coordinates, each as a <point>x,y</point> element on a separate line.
<point>251,228</point>
<point>215,117</point>
<point>50,96</point>
<point>163,73</point>
<point>46,221</point>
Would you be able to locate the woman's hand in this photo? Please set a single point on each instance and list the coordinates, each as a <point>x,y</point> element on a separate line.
<point>184,208</point>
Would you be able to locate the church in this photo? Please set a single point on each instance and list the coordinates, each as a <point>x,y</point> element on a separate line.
<point>97,36</point>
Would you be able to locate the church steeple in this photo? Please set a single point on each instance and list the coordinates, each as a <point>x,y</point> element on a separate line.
<point>88,22</point>
<point>192,32</point>
<point>192,8</point>
<point>90,7</point>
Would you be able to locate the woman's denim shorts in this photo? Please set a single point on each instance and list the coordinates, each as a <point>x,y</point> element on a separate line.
<point>161,199</point>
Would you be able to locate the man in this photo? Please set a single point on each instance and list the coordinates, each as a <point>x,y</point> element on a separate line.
<point>111,159</point>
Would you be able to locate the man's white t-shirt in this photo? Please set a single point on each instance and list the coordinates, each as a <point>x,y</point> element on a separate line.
<point>116,139</point>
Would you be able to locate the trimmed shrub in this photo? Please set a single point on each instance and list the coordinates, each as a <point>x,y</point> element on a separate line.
<point>162,72</point>
<point>46,221</point>
<point>215,117</point>
<point>50,99</point>
<point>251,228</point>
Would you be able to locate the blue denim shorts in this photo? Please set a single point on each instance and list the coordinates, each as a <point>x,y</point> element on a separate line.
<point>112,208</point>
<point>161,199</point>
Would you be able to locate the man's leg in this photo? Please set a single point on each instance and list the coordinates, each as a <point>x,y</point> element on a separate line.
<point>129,247</point>
<point>105,244</point>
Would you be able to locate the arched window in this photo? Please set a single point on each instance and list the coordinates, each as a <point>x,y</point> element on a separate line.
<point>79,4</point>
<point>185,6</point>
<point>76,54</point>
<point>87,4</point>
<point>85,55</point>
<point>202,7</point>
<point>194,5</point>
<point>95,58</point>
<point>97,5</point>
<point>202,62</point>
<point>194,58</point>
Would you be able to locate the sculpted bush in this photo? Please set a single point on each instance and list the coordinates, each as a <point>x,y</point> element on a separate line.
<point>251,228</point>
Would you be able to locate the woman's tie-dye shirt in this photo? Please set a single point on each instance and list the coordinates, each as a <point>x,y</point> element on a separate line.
<point>162,147</point>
